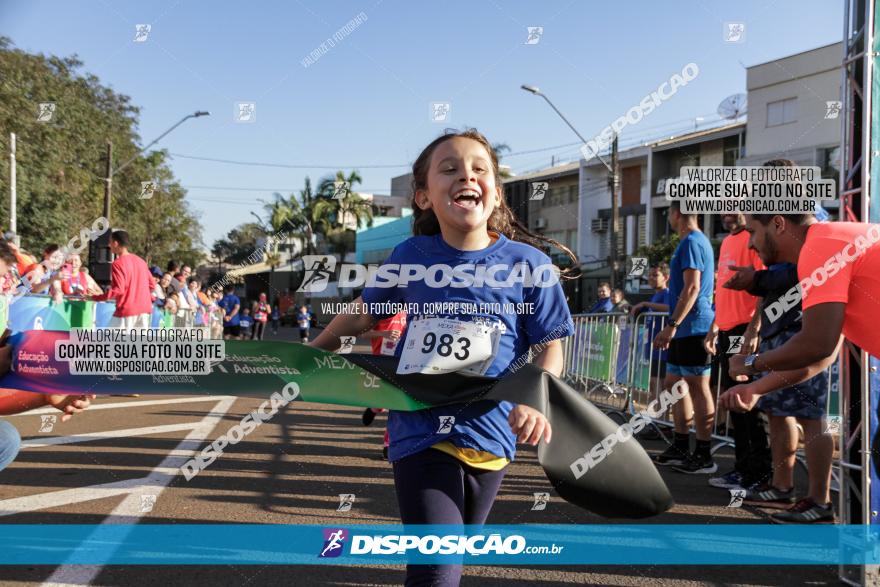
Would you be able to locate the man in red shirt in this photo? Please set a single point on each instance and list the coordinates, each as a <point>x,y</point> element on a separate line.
<point>733,318</point>
<point>131,285</point>
<point>839,271</point>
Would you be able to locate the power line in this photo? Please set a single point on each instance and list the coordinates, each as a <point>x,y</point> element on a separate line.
<point>374,191</point>
<point>643,130</point>
<point>286,165</point>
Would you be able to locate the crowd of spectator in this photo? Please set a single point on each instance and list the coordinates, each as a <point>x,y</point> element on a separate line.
<point>144,296</point>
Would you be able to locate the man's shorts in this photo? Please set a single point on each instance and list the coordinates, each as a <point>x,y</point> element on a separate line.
<point>805,400</point>
<point>127,322</point>
<point>303,332</point>
<point>687,357</point>
<point>232,330</point>
<point>721,361</point>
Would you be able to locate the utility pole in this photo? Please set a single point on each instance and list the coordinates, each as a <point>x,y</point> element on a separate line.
<point>614,186</point>
<point>108,181</point>
<point>13,195</point>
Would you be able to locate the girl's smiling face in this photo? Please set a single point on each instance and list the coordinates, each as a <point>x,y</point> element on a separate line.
<point>461,186</point>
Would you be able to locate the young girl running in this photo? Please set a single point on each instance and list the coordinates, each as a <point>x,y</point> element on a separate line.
<point>449,461</point>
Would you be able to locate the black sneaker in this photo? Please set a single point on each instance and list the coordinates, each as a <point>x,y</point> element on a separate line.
<point>805,511</point>
<point>648,433</point>
<point>697,465</point>
<point>368,416</point>
<point>767,496</point>
<point>671,456</point>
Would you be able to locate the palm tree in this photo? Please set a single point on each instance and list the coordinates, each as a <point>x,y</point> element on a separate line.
<point>340,213</point>
<point>500,149</point>
<point>279,216</point>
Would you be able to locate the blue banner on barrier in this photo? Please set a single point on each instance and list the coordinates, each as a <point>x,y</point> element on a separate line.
<point>36,313</point>
<point>623,352</point>
<point>104,313</point>
<point>647,544</point>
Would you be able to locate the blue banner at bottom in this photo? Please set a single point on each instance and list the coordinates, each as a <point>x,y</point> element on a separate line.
<point>190,544</point>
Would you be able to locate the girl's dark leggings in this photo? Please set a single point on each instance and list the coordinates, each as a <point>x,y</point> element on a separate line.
<point>436,488</point>
<point>259,329</point>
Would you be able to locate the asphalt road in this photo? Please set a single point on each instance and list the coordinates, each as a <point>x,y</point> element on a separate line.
<point>98,467</point>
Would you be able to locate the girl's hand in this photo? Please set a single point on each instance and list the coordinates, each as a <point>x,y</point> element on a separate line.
<point>529,425</point>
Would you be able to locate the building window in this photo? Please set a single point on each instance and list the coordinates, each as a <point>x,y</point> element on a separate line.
<point>684,157</point>
<point>561,195</point>
<point>829,162</point>
<point>632,186</point>
<point>781,112</point>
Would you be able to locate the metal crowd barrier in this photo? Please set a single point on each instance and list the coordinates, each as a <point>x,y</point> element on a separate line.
<point>40,312</point>
<point>610,358</point>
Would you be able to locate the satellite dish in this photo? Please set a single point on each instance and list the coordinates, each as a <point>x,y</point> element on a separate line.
<point>732,107</point>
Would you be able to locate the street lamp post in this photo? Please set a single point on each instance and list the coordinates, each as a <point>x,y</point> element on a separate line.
<point>613,180</point>
<point>110,172</point>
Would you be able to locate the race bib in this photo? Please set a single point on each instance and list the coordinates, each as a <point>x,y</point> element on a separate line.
<point>436,345</point>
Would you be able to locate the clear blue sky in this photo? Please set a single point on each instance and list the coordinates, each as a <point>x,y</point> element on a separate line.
<point>366,101</point>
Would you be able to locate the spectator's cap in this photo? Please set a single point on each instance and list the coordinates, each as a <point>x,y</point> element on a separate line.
<point>156,271</point>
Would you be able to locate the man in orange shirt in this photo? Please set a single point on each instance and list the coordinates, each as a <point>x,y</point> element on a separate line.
<point>731,327</point>
<point>839,271</point>
<point>838,265</point>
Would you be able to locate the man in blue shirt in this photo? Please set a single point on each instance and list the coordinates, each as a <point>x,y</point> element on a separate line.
<point>231,320</point>
<point>691,282</point>
<point>604,303</point>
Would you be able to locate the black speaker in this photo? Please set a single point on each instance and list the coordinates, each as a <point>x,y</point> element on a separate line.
<point>100,258</point>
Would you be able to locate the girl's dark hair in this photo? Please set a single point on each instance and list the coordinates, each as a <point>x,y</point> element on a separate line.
<point>502,221</point>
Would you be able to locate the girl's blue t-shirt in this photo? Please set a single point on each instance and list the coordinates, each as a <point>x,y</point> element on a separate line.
<point>480,425</point>
<point>693,252</point>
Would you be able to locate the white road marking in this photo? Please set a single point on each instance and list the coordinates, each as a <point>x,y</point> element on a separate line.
<point>90,436</point>
<point>134,404</point>
<point>129,510</point>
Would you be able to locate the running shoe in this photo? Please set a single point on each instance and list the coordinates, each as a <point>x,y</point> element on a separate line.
<point>805,511</point>
<point>697,465</point>
<point>732,480</point>
<point>670,456</point>
<point>368,416</point>
<point>767,496</point>
<point>648,433</point>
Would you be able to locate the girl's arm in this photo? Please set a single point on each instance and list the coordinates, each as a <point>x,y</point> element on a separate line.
<point>343,325</point>
<point>527,423</point>
<point>550,358</point>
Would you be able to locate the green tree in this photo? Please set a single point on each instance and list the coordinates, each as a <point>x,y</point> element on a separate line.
<point>239,243</point>
<point>338,214</point>
<point>60,163</point>
<point>500,149</point>
<point>660,250</point>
